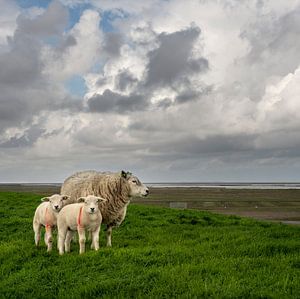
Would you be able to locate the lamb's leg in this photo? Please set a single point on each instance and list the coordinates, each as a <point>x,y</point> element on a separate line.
<point>49,238</point>
<point>37,232</point>
<point>61,239</point>
<point>95,238</point>
<point>108,235</point>
<point>68,241</point>
<point>81,234</point>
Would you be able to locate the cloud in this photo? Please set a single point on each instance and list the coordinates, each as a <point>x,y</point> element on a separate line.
<point>25,89</point>
<point>8,15</point>
<point>50,23</point>
<point>78,51</point>
<point>118,90</point>
<point>112,43</point>
<point>201,90</point>
<point>164,68</point>
<point>110,101</point>
<point>124,80</point>
<point>279,106</point>
<point>27,138</point>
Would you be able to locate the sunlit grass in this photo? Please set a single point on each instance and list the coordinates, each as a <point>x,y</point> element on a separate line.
<point>157,252</point>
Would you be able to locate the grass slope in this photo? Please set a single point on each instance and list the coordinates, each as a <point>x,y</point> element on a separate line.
<point>157,252</point>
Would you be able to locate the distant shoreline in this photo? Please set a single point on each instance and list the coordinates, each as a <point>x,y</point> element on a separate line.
<point>276,202</point>
<point>217,185</point>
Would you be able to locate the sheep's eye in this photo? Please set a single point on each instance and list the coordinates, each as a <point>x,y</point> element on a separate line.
<point>134,181</point>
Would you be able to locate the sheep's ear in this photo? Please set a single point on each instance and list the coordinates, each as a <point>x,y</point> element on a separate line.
<point>65,197</point>
<point>81,199</point>
<point>123,174</point>
<point>45,199</point>
<point>101,199</point>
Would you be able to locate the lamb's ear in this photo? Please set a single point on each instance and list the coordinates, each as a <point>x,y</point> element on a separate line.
<point>101,199</point>
<point>45,199</point>
<point>65,197</point>
<point>124,174</point>
<point>81,199</point>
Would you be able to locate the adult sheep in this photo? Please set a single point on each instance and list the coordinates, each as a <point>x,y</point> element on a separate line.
<point>116,188</point>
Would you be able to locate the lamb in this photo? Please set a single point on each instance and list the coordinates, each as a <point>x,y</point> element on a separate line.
<point>46,215</point>
<point>117,188</point>
<point>79,216</point>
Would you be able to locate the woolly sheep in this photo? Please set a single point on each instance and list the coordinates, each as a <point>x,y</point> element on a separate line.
<point>79,216</point>
<point>46,215</point>
<point>117,188</point>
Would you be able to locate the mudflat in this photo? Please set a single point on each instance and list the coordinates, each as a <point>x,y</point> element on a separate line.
<point>269,204</point>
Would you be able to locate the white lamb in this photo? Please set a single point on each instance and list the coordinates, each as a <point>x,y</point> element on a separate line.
<point>46,215</point>
<point>80,217</point>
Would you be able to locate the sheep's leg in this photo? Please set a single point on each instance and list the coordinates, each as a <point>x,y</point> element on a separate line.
<point>48,238</point>
<point>81,234</point>
<point>90,236</point>
<point>95,238</point>
<point>37,232</point>
<point>61,240</point>
<point>108,235</point>
<point>68,241</point>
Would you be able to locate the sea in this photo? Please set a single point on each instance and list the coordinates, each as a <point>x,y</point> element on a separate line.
<point>226,185</point>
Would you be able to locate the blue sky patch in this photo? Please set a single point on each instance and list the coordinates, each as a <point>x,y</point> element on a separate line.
<point>76,12</point>
<point>76,86</point>
<point>108,17</point>
<point>31,3</point>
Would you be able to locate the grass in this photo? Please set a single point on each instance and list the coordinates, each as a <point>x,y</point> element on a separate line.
<point>157,253</point>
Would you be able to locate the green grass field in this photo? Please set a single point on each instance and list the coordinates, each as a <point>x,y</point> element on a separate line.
<point>157,253</point>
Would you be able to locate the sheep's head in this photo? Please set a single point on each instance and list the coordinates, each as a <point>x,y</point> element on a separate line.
<point>56,201</point>
<point>137,188</point>
<point>91,203</point>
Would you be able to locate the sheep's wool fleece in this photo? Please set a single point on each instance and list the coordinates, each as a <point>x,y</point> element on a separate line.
<point>111,186</point>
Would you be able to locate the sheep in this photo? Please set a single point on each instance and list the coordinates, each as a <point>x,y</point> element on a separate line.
<point>117,188</point>
<point>46,215</point>
<point>79,216</point>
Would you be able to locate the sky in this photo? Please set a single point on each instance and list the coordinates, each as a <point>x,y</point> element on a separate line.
<point>171,90</point>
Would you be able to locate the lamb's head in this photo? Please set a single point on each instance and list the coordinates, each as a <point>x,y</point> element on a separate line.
<point>56,201</point>
<point>91,203</point>
<point>137,188</point>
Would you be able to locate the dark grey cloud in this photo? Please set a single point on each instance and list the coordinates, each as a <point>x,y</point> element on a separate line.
<point>26,139</point>
<point>269,36</point>
<point>112,43</point>
<point>171,65</point>
<point>50,23</point>
<point>111,101</point>
<point>172,59</point>
<point>186,96</point>
<point>192,145</point>
<point>274,51</point>
<point>192,94</point>
<point>21,67</point>
<point>66,43</point>
<point>25,90</point>
<point>165,103</point>
<point>167,134</point>
<point>124,80</point>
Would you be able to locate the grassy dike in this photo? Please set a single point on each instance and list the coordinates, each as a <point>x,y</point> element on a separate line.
<point>157,253</point>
